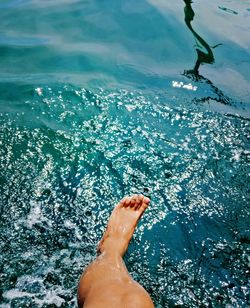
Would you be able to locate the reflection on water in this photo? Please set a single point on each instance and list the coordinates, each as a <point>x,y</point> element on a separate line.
<point>68,153</point>
<point>202,57</point>
<point>206,56</point>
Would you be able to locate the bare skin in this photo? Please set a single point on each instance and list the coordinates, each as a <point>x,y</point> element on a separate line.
<point>106,281</point>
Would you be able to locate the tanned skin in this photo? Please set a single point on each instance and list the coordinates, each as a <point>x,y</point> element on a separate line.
<point>106,281</point>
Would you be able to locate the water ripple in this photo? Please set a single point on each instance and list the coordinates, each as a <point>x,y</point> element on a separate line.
<point>68,154</point>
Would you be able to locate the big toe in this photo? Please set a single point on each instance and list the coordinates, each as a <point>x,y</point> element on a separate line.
<point>146,200</point>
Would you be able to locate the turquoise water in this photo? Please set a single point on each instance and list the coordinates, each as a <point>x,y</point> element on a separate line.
<point>100,99</point>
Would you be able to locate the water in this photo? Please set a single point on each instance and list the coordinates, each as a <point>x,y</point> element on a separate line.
<point>104,99</point>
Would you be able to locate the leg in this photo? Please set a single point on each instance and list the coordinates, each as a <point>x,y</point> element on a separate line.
<point>106,281</point>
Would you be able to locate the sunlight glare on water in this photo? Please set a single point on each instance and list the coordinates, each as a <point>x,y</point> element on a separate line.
<point>79,153</point>
<point>104,99</point>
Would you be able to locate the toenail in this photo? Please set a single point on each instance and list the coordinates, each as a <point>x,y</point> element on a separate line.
<point>138,201</point>
<point>126,202</point>
<point>146,200</point>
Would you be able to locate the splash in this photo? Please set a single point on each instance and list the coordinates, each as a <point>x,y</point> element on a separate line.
<point>71,154</point>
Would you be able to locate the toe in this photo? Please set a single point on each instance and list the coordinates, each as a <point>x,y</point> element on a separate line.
<point>127,202</point>
<point>121,203</point>
<point>140,197</point>
<point>146,200</point>
<point>132,202</point>
<point>138,202</point>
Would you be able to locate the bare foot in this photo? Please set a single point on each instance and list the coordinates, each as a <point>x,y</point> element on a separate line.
<point>122,224</point>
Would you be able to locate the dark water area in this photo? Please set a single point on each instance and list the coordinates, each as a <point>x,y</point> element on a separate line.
<point>101,99</point>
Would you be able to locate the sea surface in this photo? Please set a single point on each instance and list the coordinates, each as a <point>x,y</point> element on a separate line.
<point>102,99</point>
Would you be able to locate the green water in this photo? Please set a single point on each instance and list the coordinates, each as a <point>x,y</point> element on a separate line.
<point>102,99</point>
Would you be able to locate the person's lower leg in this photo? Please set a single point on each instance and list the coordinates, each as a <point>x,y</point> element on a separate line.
<point>108,272</point>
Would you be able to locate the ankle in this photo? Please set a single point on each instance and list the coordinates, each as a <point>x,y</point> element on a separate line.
<point>113,246</point>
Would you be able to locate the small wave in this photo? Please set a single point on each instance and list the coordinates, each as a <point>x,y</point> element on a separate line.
<point>68,155</point>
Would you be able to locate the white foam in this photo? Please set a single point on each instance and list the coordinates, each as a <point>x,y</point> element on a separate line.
<point>34,214</point>
<point>50,297</point>
<point>15,293</point>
